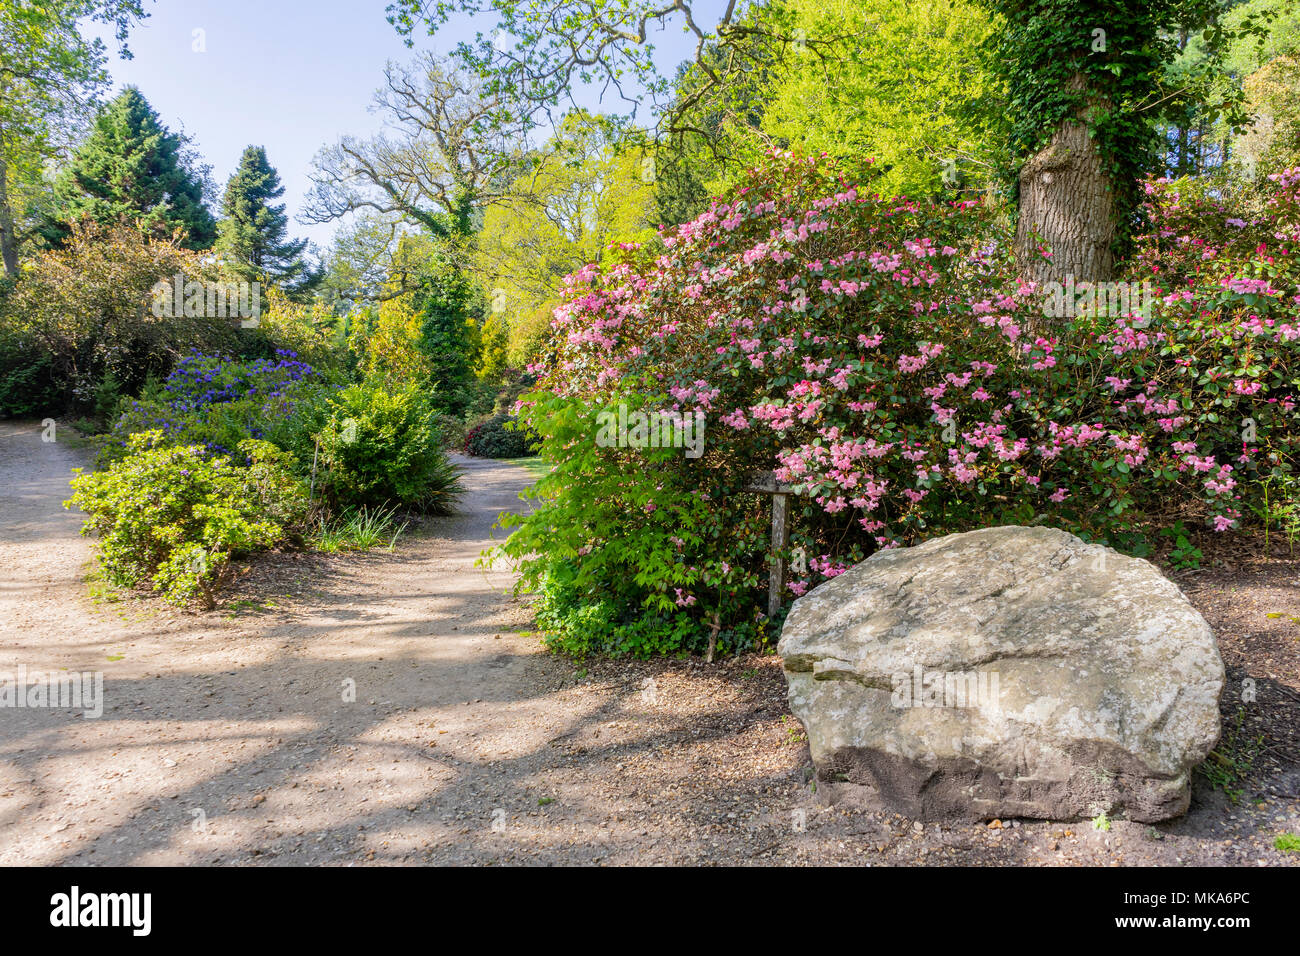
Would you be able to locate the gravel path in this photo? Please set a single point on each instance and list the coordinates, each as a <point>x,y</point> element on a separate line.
<point>226,737</point>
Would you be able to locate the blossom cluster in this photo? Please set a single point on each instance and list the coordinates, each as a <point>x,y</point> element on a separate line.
<point>882,356</point>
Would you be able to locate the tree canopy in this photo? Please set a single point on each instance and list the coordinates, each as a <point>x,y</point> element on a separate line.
<point>131,166</point>
<point>50,77</point>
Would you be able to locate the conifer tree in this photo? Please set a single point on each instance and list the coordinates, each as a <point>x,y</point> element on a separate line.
<point>252,235</point>
<point>131,166</point>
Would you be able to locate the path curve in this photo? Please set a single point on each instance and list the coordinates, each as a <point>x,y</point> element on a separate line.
<point>226,736</point>
<point>230,735</point>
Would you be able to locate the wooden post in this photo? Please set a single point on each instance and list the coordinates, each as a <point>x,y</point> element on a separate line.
<point>768,485</point>
<point>780,538</point>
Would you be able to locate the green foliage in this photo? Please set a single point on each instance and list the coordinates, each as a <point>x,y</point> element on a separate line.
<point>172,517</point>
<point>367,445</point>
<point>1287,843</point>
<point>1273,95</point>
<point>85,309</point>
<point>856,78</point>
<point>495,339</point>
<point>252,238</point>
<point>1250,64</point>
<point>381,446</point>
<point>52,73</point>
<point>578,625</point>
<point>680,191</point>
<point>309,331</point>
<point>1183,554</point>
<point>427,335</point>
<point>356,262</point>
<point>588,187</point>
<point>1279,508</point>
<point>899,85</point>
<point>501,436</point>
<point>543,48</point>
<point>27,382</point>
<point>1231,762</point>
<point>1106,64</point>
<point>132,167</point>
<point>451,431</point>
<point>385,341</point>
<point>608,546</point>
<point>448,309</point>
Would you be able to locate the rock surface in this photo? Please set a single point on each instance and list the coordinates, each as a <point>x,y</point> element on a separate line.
<point>1006,672</point>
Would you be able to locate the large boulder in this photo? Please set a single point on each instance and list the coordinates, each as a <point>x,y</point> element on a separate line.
<point>1007,672</point>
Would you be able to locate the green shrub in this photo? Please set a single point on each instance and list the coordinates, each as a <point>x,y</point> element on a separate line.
<point>27,382</point>
<point>577,625</point>
<point>87,307</point>
<point>500,437</point>
<point>451,431</point>
<point>382,447</point>
<point>171,518</point>
<point>295,431</point>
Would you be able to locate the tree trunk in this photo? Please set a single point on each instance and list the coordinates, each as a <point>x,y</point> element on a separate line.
<point>8,236</point>
<point>1067,203</point>
<point>1183,162</point>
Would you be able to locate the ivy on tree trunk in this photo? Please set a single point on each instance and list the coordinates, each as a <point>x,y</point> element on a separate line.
<point>1081,78</point>
<point>1068,206</point>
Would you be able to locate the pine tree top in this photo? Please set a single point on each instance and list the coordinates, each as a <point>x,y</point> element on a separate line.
<point>253,235</point>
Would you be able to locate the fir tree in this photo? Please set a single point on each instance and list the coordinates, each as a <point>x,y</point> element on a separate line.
<point>131,166</point>
<point>252,235</point>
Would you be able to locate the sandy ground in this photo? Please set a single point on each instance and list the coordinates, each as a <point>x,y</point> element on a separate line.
<point>226,737</point>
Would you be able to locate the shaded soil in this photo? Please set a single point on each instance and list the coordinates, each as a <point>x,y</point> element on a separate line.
<point>228,738</point>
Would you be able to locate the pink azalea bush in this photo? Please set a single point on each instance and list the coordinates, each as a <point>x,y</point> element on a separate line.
<point>881,356</point>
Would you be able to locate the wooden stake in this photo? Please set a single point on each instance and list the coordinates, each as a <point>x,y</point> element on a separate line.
<point>311,491</point>
<point>713,637</point>
<point>768,485</point>
<point>780,538</point>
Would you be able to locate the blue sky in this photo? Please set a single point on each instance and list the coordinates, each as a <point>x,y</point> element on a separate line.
<point>290,75</point>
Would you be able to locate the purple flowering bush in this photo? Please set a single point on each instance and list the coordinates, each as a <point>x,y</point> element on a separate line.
<point>214,463</point>
<point>217,402</point>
